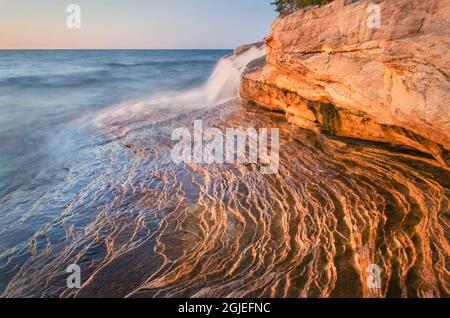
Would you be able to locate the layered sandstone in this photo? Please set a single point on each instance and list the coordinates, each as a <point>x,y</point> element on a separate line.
<point>330,72</point>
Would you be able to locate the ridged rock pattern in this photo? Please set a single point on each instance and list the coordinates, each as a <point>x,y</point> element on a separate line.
<point>149,228</point>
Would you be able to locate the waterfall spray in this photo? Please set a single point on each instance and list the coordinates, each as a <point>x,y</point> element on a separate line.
<point>222,86</point>
<point>223,83</point>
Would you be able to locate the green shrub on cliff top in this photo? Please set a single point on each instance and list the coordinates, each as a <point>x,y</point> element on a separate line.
<point>288,6</point>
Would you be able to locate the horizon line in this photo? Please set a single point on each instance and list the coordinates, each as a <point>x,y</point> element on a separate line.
<point>105,49</point>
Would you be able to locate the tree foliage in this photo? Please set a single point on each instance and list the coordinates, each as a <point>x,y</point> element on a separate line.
<point>288,6</point>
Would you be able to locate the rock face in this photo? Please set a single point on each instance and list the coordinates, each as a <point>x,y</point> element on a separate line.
<point>330,71</point>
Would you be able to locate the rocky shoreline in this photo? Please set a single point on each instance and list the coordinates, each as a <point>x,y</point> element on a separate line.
<point>329,72</point>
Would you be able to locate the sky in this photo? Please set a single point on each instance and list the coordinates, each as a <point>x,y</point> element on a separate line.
<point>139,24</point>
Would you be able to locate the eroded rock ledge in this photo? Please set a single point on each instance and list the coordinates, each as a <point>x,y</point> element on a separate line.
<point>329,72</point>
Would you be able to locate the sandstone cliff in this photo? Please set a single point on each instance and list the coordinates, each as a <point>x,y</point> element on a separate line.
<point>330,72</point>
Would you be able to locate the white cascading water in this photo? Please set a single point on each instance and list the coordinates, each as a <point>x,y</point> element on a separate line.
<point>222,86</point>
<point>223,83</point>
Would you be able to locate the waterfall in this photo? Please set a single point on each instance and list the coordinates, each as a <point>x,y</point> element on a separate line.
<point>223,83</point>
<point>222,86</point>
